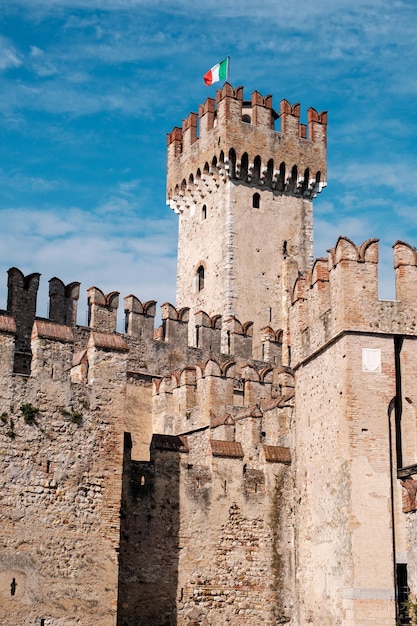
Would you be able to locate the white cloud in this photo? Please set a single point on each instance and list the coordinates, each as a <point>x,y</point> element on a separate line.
<point>9,56</point>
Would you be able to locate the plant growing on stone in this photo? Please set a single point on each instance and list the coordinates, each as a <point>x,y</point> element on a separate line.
<point>29,413</point>
<point>412,610</point>
<point>10,433</point>
<point>74,416</point>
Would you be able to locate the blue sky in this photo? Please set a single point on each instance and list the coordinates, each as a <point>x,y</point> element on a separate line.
<point>89,89</point>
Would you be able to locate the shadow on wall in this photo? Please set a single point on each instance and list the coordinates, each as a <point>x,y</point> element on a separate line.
<point>149,531</point>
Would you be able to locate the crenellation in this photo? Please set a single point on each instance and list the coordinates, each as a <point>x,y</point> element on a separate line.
<point>21,304</point>
<point>208,332</point>
<point>221,125</point>
<point>102,310</point>
<point>139,317</point>
<point>175,324</point>
<point>63,301</point>
<point>238,338</point>
<point>206,114</point>
<point>189,130</point>
<point>271,345</point>
<point>405,268</point>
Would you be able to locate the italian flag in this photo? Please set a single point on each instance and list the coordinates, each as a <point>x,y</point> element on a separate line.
<point>217,72</point>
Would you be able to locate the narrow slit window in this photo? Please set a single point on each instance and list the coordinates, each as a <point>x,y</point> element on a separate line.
<point>204,212</point>
<point>256,200</point>
<point>200,277</point>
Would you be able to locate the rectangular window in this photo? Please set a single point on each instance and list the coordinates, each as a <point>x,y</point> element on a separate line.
<point>403,592</point>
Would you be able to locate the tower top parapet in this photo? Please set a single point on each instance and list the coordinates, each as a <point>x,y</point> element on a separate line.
<point>237,139</point>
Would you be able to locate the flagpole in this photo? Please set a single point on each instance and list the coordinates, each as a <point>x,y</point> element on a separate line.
<point>228,68</point>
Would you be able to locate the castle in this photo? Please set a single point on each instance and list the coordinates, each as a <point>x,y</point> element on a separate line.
<point>253,460</point>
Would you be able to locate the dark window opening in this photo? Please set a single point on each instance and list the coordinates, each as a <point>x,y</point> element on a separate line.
<point>305,181</point>
<point>232,163</point>
<point>281,177</point>
<point>403,593</point>
<point>204,212</point>
<point>246,118</point>
<point>13,586</point>
<point>294,179</point>
<point>200,275</point>
<point>244,166</point>
<point>256,169</point>
<point>256,200</point>
<point>269,172</point>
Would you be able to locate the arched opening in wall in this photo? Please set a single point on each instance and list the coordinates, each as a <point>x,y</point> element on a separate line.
<point>244,166</point>
<point>206,168</point>
<point>304,187</point>
<point>256,200</point>
<point>214,162</point>
<point>281,177</point>
<point>246,118</point>
<point>191,179</point>
<point>232,163</point>
<point>200,278</point>
<point>203,212</point>
<point>256,169</point>
<point>198,174</point>
<point>294,179</point>
<point>221,157</point>
<point>183,185</point>
<point>269,172</point>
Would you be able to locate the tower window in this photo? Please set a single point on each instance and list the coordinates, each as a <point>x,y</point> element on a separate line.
<point>200,277</point>
<point>256,200</point>
<point>204,212</point>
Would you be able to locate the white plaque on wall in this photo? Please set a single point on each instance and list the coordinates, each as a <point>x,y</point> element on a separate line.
<point>371,360</point>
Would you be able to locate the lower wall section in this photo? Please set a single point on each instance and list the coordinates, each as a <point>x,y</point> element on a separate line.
<point>197,548</point>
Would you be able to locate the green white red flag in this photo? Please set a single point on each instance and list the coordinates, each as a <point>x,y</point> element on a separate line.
<point>217,72</point>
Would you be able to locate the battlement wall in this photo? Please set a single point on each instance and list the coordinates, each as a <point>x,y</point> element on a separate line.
<point>340,294</point>
<point>150,350</point>
<point>234,139</point>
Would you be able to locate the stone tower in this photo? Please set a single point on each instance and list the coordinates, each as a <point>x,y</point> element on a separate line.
<point>244,192</point>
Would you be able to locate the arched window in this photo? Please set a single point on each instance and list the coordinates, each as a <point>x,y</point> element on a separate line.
<point>232,163</point>
<point>256,169</point>
<point>244,165</point>
<point>246,118</point>
<point>269,172</point>
<point>294,178</point>
<point>200,277</point>
<point>281,178</point>
<point>305,181</point>
<point>203,212</point>
<point>256,200</point>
